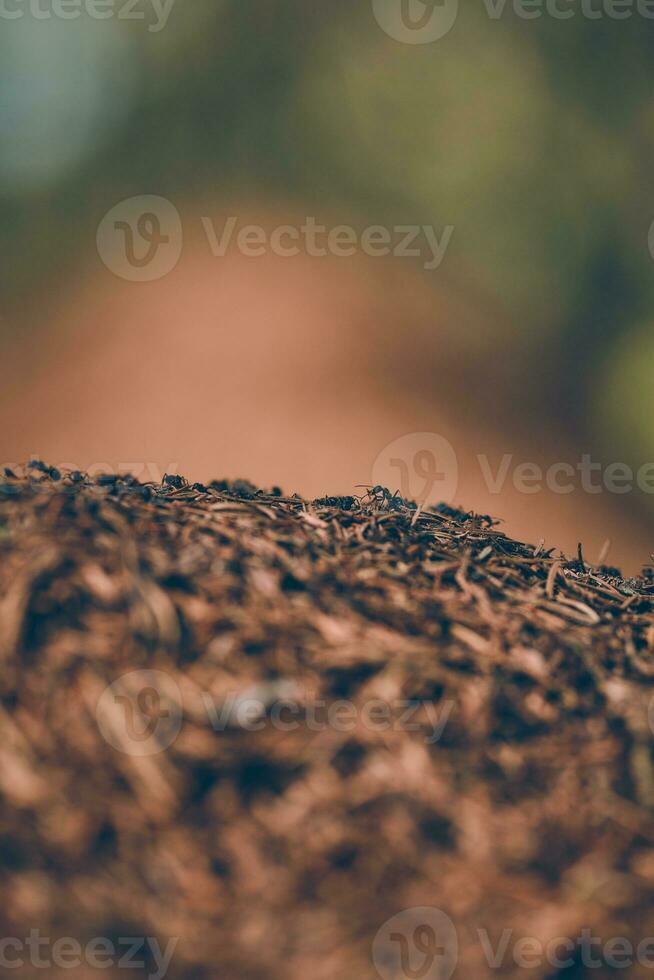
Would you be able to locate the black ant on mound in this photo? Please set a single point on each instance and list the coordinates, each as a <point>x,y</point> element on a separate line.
<point>383,497</point>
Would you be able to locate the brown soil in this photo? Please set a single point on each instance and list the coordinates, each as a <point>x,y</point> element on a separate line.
<point>277,851</point>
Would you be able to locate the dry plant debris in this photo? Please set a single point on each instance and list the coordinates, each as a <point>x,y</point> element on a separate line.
<point>520,796</point>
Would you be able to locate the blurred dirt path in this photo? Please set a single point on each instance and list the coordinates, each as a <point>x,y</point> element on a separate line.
<point>295,372</point>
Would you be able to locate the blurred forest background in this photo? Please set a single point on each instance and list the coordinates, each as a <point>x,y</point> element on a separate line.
<point>533,138</point>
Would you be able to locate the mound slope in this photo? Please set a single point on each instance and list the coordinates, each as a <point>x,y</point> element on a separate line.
<point>264,726</point>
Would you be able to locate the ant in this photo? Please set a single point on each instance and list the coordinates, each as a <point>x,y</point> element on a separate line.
<point>384,497</point>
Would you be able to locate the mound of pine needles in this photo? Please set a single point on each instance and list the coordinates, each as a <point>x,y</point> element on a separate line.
<point>263,726</point>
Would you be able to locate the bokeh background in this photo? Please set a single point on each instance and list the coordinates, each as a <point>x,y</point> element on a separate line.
<point>533,138</point>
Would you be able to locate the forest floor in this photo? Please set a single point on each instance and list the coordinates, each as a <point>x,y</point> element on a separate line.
<point>334,739</point>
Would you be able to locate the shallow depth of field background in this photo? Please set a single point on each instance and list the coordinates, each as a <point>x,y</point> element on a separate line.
<point>533,138</point>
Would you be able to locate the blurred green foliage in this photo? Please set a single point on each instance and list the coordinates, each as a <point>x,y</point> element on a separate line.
<point>534,138</point>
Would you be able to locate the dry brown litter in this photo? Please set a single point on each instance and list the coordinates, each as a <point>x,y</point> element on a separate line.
<point>377,709</point>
